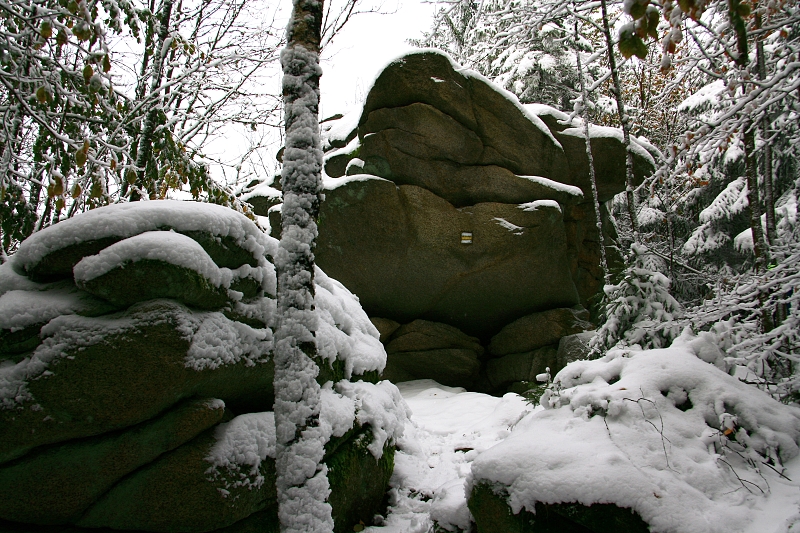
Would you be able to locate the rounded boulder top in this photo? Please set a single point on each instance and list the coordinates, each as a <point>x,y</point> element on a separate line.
<point>511,137</point>
<point>229,238</point>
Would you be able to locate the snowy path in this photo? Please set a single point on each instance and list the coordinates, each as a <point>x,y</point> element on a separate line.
<point>450,428</point>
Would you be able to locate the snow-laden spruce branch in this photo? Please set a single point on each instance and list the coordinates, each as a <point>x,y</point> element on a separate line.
<point>713,133</point>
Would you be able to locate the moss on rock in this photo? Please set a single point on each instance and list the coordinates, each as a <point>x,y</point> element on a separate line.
<point>489,506</point>
<point>57,484</point>
<point>358,481</point>
<point>177,493</point>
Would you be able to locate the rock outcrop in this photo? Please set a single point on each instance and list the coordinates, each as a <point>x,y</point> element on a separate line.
<point>431,350</point>
<point>421,94</point>
<point>66,479</point>
<point>136,377</point>
<point>449,201</point>
<point>399,249</point>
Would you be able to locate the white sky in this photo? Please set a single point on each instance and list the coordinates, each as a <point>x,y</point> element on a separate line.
<point>350,64</point>
<point>367,43</point>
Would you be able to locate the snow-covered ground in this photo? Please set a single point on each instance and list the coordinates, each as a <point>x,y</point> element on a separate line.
<point>450,428</point>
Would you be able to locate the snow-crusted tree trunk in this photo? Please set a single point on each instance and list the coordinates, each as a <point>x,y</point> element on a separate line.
<point>624,122</point>
<point>302,481</point>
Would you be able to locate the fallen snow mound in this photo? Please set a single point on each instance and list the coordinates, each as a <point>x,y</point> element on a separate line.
<point>661,432</point>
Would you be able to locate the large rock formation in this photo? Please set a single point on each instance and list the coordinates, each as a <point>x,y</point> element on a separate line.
<point>449,201</point>
<point>136,377</point>
<point>399,249</point>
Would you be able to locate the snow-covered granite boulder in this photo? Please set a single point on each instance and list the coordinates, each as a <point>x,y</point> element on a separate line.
<point>94,375</point>
<point>638,441</point>
<point>227,474</point>
<point>447,200</point>
<point>608,152</point>
<point>228,238</point>
<point>432,124</point>
<point>128,334</point>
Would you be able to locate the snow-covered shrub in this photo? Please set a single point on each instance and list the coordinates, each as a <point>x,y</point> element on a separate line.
<point>639,309</point>
<point>661,432</point>
<point>755,318</point>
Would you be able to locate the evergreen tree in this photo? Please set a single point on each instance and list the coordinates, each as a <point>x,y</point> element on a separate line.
<point>640,310</point>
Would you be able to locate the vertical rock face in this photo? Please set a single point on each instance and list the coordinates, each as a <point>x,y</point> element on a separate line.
<point>451,202</point>
<point>400,250</point>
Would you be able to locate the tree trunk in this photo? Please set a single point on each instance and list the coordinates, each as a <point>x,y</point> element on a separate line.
<point>14,118</point>
<point>135,130</point>
<point>302,481</point>
<point>9,149</point>
<point>624,122</point>
<point>592,180</point>
<point>760,249</point>
<point>144,150</point>
<point>769,197</point>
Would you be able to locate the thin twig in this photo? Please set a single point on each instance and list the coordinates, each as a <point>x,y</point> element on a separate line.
<point>742,481</point>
